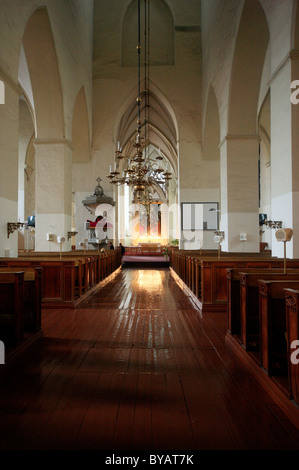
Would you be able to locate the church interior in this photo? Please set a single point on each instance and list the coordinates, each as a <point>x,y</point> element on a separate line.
<point>149,230</point>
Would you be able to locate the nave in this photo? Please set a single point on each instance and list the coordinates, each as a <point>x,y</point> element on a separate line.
<point>136,367</point>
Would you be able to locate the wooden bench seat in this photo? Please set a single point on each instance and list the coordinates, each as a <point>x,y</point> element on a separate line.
<point>206,276</point>
<point>234,293</point>
<point>87,266</point>
<point>292,337</point>
<point>250,306</point>
<point>250,302</point>
<point>268,357</point>
<point>273,326</point>
<point>31,297</point>
<point>99,264</point>
<point>12,308</point>
<point>58,278</point>
<point>67,279</point>
<point>212,276</point>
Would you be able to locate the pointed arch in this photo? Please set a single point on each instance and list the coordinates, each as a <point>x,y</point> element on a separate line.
<point>162,125</point>
<point>249,55</point>
<point>41,57</point>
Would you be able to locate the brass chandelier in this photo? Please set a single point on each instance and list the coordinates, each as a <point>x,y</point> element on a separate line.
<point>140,172</point>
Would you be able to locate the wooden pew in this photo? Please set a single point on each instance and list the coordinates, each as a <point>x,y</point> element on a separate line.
<point>250,307</point>
<point>67,279</point>
<point>213,277</point>
<point>32,296</point>
<point>292,329</point>
<point>274,354</point>
<point>206,276</point>
<point>86,269</point>
<point>58,278</point>
<point>12,308</point>
<point>234,293</point>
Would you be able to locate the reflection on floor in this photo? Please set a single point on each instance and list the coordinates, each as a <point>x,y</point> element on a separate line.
<point>136,367</point>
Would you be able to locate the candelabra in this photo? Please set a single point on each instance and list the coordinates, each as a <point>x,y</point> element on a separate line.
<point>139,173</point>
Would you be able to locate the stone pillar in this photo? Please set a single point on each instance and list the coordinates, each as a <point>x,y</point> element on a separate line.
<point>9,138</point>
<point>239,193</point>
<point>285,155</point>
<point>53,194</point>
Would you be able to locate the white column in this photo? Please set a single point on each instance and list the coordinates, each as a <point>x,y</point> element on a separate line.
<point>285,155</point>
<point>9,138</point>
<point>239,193</point>
<point>53,194</point>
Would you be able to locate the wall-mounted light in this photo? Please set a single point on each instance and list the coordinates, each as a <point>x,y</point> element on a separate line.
<point>12,226</point>
<point>219,233</point>
<point>219,237</point>
<point>273,224</point>
<point>71,234</point>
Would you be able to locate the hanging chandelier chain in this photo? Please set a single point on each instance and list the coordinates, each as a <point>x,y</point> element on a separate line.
<point>140,173</point>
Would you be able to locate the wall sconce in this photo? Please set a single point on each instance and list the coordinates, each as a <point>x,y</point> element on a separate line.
<point>273,224</point>
<point>218,233</point>
<point>219,237</point>
<point>12,226</point>
<point>71,234</point>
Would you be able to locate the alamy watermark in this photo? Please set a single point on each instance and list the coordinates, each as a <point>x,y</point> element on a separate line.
<point>2,92</point>
<point>294,95</point>
<point>295,354</point>
<point>2,353</point>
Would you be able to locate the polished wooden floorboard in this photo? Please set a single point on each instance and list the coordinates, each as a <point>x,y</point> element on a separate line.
<point>136,367</point>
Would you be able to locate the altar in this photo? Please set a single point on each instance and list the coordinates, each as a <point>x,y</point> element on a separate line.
<point>148,247</point>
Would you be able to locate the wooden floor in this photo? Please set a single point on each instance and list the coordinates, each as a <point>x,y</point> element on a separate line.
<point>136,367</point>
